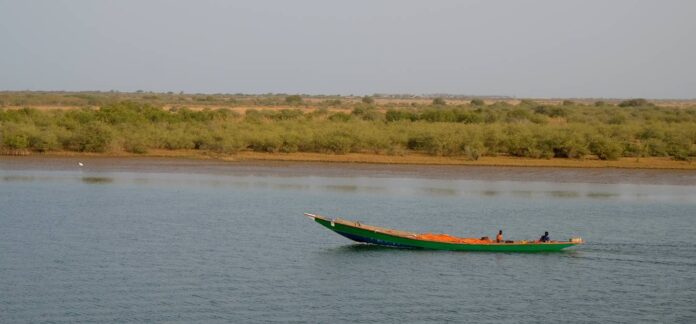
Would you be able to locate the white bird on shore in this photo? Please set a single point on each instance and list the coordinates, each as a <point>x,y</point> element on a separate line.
<point>80,164</point>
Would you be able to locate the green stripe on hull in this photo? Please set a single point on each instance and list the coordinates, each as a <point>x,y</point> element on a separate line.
<point>413,243</point>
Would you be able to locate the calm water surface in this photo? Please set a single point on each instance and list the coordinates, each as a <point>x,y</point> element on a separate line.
<point>145,246</point>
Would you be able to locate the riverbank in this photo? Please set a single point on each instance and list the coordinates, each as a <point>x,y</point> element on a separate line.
<point>258,164</point>
<point>507,161</point>
<point>409,158</point>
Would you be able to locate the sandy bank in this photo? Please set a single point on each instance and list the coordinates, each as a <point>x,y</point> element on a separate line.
<point>409,158</point>
<point>257,164</point>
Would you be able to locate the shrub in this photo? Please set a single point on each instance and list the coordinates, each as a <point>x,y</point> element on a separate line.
<point>551,111</point>
<point>605,149</point>
<point>176,139</point>
<point>253,116</point>
<point>527,102</point>
<point>339,117</point>
<point>442,143</point>
<point>44,141</point>
<point>265,142</point>
<point>290,143</point>
<point>368,100</point>
<point>522,144</point>
<point>93,137</point>
<point>635,103</point>
<point>400,114</point>
<point>469,117</point>
<point>293,100</point>
<point>679,147</point>
<point>655,147</point>
<point>225,144</point>
<point>225,114</point>
<point>286,114</point>
<point>472,152</point>
<point>616,119</point>
<point>439,115</point>
<point>493,140</point>
<point>565,144</point>
<point>439,102</point>
<point>339,142</point>
<point>16,141</point>
<point>136,143</point>
<point>477,102</point>
<point>332,102</point>
<point>366,113</point>
<point>417,142</point>
<point>518,115</point>
<point>321,112</point>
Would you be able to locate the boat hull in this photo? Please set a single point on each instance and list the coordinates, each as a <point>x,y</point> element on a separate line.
<point>370,236</point>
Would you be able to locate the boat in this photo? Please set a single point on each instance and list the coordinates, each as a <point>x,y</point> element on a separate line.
<point>363,233</point>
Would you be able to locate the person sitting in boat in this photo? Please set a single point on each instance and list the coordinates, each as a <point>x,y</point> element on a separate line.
<point>545,237</point>
<point>499,237</point>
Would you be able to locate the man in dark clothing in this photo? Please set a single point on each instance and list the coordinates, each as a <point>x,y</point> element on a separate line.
<point>545,237</point>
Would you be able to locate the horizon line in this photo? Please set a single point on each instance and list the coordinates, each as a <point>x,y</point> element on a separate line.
<point>375,95</point>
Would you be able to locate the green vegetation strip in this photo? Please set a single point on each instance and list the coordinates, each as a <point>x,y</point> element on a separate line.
<point>632,129</point>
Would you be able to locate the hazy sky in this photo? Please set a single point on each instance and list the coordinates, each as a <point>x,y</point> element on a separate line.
<point>551,48</point>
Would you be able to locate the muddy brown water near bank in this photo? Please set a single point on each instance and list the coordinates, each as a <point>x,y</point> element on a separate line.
<point>322,169</point>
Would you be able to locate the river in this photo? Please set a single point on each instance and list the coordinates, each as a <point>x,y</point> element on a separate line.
<point>152,240</point>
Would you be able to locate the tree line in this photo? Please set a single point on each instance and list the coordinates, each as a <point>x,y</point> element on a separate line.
<point>528,129</point>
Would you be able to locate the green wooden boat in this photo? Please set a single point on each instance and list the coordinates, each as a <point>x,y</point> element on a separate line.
<point>394,238</point>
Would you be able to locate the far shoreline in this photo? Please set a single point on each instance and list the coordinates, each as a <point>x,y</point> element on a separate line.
<point>352,165</point>
<point>658,163</point>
